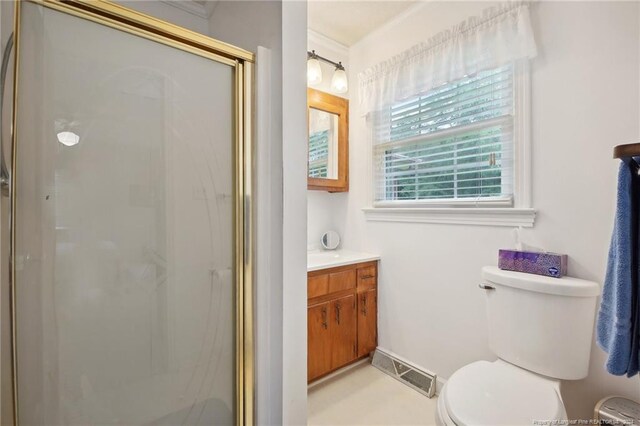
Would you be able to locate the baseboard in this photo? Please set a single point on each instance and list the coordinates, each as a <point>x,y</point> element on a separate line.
<point>337,373</point>
<point>439,380</point>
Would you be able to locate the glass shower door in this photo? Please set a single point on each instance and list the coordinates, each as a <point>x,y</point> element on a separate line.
<point>125,285</point>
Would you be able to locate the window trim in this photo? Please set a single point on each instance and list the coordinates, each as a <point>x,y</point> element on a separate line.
<point>511,211</point>
<point>491,216</point>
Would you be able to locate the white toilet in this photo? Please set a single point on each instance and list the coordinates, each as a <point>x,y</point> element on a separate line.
<point>541,330</point>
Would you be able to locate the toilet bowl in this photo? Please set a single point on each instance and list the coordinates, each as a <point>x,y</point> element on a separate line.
<point>541,329</point>
<point>498,393</point>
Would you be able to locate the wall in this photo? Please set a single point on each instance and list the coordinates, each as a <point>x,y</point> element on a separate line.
<point>294,155</point>
<point>251,25</point>
<point>281,332</point>
<point>260,26</point>
<point>584,101</point>
<point>169,13</point>
<point>326,211</point>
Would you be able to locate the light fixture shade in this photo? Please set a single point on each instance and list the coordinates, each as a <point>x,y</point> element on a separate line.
<point>339,82</point>
<point>314,72</point>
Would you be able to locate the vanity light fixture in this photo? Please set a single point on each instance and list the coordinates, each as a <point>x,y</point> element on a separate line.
<point>339,82</point>
<point>314,72</point>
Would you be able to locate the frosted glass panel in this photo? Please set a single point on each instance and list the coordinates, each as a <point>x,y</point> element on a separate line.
<point>125,282</point>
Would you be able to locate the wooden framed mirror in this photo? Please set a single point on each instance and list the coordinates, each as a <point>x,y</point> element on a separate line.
<point>328,159</point>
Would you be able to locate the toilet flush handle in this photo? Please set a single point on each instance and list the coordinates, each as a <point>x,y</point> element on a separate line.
<point>486,287</point>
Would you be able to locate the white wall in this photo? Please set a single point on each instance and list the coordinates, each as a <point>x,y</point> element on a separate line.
<point>250,25</point>
<point>584,101</point>
<point>326,211</point>
<point>294,115</point>
<point>169,13</point>
<point>281,331</point>
<point>280,393</point>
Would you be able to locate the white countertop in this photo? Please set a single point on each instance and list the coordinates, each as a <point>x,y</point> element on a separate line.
<point>324,259</point>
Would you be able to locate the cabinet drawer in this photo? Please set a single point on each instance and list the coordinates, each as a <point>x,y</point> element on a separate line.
<point>367,278</point>
<point>317,286</point>
<point>339,281</point>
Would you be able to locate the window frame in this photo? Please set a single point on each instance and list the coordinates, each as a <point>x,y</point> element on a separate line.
<point>515,210</point>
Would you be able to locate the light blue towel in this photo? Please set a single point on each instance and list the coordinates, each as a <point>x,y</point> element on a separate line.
<point>615,326</point>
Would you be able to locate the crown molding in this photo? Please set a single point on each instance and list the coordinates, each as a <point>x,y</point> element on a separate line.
<point>327,42</point>
<point>192,7</point>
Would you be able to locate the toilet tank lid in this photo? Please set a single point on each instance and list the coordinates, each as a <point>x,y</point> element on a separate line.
<point>565,286</point>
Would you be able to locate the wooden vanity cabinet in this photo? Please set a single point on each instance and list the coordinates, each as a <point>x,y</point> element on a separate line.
<point>367,322</point>
<point>342,317</point>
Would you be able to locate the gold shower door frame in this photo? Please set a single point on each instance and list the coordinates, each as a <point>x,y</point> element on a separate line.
<point>115,16</point>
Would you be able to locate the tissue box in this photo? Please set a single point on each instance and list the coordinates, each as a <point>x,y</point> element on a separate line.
<point>549,264</point>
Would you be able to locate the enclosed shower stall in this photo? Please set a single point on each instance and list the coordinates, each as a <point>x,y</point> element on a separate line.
<point>126,221</point>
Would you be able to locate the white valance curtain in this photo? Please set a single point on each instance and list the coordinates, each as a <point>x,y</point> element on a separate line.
<point>501,35</point>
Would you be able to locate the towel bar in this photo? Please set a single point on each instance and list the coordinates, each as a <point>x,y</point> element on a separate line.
<point>627,150</point>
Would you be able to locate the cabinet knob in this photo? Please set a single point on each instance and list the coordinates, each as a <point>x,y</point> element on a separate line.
<point>338,307</point>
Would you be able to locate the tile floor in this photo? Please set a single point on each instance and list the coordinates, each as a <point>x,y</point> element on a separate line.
<point>367,396</point>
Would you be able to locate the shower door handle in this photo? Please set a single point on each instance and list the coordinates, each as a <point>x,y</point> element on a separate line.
<point>5,176</point>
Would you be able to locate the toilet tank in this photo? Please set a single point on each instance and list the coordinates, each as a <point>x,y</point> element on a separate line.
<point>539,323</point>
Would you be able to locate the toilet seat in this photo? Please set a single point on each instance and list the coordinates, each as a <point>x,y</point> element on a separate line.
<point>494,393</point>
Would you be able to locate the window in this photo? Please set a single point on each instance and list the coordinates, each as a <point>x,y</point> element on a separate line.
<point>451,145</point>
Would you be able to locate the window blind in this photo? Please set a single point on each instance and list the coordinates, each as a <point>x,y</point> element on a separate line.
<point>452,143</point>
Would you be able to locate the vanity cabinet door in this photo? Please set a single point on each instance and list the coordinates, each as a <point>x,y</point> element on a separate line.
<point>318,340</point>
<point>343,331</point>
<point>367,322</point>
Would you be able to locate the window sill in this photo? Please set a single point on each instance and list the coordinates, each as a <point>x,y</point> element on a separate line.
<point>500,216</point>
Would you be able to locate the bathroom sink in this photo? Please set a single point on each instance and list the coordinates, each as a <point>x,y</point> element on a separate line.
<point>326,255</point>
<point>323,259</point>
